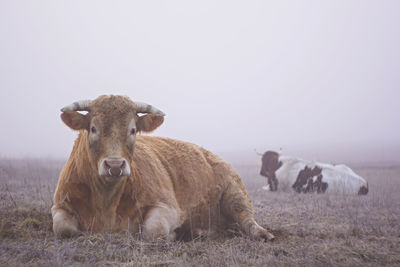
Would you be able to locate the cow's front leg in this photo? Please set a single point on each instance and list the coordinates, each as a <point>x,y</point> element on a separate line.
<point>64,224</point>
<point>161,222</point>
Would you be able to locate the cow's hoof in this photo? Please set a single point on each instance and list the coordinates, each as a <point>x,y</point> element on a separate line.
<point>267,236</point>
<point>64,225</point>
<point>161,223</point>
<point>259,233</point>
<point>157,229</point>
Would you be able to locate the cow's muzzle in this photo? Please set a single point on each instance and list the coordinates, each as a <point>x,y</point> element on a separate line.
<point>114,167</point>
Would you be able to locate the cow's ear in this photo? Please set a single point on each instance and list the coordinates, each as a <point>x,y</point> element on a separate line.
<point>75,120</point>
<point>149,122</point>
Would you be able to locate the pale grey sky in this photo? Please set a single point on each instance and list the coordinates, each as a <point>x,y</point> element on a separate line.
<point>230,75</point>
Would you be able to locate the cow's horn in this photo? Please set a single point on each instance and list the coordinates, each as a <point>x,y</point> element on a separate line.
<point>258,153</point>
<point>146,108</point>
<point>82,105</point>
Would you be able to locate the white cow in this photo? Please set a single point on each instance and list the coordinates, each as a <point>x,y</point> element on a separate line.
<point>306,176</point>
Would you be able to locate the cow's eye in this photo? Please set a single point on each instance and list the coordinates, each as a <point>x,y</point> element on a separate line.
<point>133,131</point>
<point>93,129</point>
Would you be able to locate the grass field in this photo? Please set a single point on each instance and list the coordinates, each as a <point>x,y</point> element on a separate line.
<point>310,230</point>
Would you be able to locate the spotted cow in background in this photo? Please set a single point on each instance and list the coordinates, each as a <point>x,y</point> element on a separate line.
<point>306,176</point>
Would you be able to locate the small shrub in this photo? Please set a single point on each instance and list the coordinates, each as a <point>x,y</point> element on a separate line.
<point>31,223</point>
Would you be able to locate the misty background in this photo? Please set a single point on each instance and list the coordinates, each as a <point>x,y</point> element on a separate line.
<point>319,79</point>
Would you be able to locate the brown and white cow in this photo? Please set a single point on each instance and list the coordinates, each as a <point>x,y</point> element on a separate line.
<point>116,180</point>
<point>310,176</point>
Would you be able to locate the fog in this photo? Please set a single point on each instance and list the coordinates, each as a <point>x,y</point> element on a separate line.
<point>316,78</point>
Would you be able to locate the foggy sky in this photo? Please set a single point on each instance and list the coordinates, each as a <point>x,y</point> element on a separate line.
<point>230,75</point>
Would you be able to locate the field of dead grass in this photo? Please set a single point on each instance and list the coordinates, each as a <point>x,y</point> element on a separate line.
<point>310,229</point>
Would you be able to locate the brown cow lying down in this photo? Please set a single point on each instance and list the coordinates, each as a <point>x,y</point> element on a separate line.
<point>115,180</point>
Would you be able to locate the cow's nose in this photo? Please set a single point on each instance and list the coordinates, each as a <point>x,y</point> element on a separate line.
<point>115,166</point>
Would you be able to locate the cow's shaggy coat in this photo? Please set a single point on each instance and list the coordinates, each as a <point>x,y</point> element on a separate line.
<point>169,186</point>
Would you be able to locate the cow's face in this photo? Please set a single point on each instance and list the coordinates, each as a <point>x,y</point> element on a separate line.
<point>270,164</point>
<point>110,129</point>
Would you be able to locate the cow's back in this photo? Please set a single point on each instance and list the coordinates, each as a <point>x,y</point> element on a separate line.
<point>288,172</point>
<point>342,179</point>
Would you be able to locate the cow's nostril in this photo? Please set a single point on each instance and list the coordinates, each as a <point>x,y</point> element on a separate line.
<point>106,164</point>
<point>115,166</point>
<point>115,172</point>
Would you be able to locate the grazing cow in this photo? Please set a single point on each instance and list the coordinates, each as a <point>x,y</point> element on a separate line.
<point>309,176</point>
<point>115,180</point>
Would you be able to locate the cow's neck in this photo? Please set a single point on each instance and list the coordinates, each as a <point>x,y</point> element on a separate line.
<point>106,196</point>
<point>103,199</point>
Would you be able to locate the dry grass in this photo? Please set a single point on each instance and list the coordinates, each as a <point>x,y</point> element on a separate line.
<point>310,229</point>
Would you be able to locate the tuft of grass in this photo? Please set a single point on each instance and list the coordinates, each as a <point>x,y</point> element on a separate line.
<point>31,223</point>
<point>6,230</point>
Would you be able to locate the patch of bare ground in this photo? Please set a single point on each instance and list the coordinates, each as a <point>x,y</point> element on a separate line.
<point>310,230</point>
